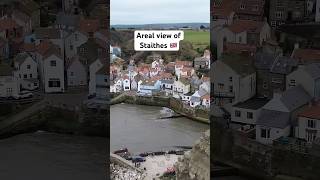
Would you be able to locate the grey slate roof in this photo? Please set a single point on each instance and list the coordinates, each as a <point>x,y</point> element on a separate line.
<point>253,104</point>
<point>275,119</point>
<point>167,81</point>
<point>195,99</point>
<point>283,65</point>
<point>264,61</point>
<point>242,65</point>
<point>21,57</point>
<point>295,97</point>
<point>313,70</point>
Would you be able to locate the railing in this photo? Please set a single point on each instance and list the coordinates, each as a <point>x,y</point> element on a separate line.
<point>292,144</point>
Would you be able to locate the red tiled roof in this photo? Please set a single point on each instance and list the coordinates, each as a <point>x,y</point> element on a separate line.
<point>184,63</point>
<point>246,25</point>
<point>7,24</point>
<point>224,9</point>
<point>311,112</point>
<point>252,7</point>
<point>207,96</point>
<point>306,54</point>
<point>239,48</point>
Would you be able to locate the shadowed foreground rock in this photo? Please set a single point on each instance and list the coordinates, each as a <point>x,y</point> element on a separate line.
<point>195,165</point>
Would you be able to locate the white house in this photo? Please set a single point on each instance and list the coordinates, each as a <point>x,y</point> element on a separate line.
<point>26,71</point>
<point>181,86</point>
<point>243,32</point>
<point>148,87</point>
<point>167,86</point>
<point>73,41</point>
<point>309,123</point>
<point>196,98</point>
<point>179,65</point>
<point>308,76</point>
<point>76,72</point>
<point>234,79</point>
<point>279,115</point>
<point>187,97</point>
<point>248,112</point>
<point>51,67</point>
<point>8,82</point>
<point>126,83</point>
<point>206,100</point>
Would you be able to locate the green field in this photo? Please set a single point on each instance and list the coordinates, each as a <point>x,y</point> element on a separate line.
<point>199,39</point>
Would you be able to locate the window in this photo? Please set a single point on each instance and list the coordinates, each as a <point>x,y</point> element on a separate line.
<point>71,73</point>
<point>230,79</point>
<point>292,83</point>
<point>249,115</point>
<point>242,6</point>
<point>237,113</point>
<point>311,135</point>
<point>231,89</point>
<point>265,85</point>
<point>277,80</point>
<point>25,76</point>
<point>255,8</point>
<point>221,86</point>
<point>30,75</point>
<point>71,47</point>
<point>311,123</point>
<point>54,83</point>
<point>53,63</point>
<point>28,66</point>
<point>265,133</point>
<point>35,84</point>
<point>240,39</point>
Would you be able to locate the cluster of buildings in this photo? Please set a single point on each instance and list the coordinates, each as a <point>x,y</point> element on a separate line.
<point>72,52</point>
<point>261,89</point>
<point>179,79</point>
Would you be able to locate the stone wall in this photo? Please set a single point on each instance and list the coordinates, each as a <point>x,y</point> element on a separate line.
<point>259,160</point>
<point>195,164</point>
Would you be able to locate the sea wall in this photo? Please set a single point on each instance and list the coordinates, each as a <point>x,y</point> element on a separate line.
<point>82,121</point>
<point>197,114</point>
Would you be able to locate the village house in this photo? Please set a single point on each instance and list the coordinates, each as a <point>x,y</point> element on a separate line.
<point>179,65</point>
<point>26,71</point>
<point>201,63</point>
<point>238,48</point>
<point>247,112</point>
<point>272,71</point>
<point>135,81</point>
<point>186,72</point>
<point>9,86</point>
<point>309,123</point>
<point>279,116</point>
<point>249,10</point>
<point>196,98</point>
<point>308,76</point>
<point>243,32</point>
<point>148,87</point>
<point>234,80</point>
<point>223,12</point>
<point>51,67</point>
<point>87,28</point>
<point>52,34</point>
<point>205,86</point>
<point>167,85</point>
<point>181,86</point>
<point>126,83</point>
<point>187,97</point>
<point>206,100</point>
<point>76,72</point>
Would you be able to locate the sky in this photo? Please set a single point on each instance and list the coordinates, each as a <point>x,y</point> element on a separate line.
<point>159,11</point>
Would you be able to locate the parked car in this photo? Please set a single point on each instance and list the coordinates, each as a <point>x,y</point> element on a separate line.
<point>123,150</point>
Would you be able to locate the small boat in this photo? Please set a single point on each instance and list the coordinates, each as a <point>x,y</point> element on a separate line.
<point>120,151</point>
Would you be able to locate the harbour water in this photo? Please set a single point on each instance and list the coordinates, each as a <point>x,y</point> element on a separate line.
<point>140,129</point>
<point>50,156</point>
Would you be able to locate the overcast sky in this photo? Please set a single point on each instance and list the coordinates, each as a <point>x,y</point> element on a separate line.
<point>159,11</point>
